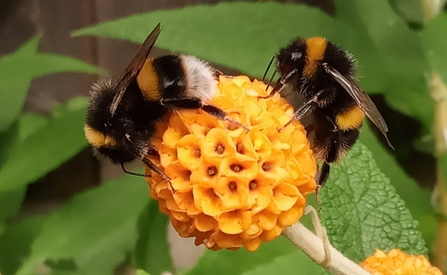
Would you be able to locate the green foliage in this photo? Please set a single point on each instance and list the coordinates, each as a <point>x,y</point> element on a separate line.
<point>142,272</point>
<point>409,10</point>
<point>371,208</point>
<point>116,222</point>
<point>17,70</point>
<point>434,41</point>
<point>416,198</point>
<point>25,151</point>
<point>268,256</point>
<point>70,141</point>
<point>10,203</point>
<point>95,230</point>
<point>152,251</point>
<point>16,241</point>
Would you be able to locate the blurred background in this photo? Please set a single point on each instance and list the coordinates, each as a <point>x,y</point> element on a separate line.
<point>53,21</point>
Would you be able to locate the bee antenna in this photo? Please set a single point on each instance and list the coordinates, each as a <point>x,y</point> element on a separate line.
<point>268,68</point>
<point>271,78</point>
<point>133,173</point>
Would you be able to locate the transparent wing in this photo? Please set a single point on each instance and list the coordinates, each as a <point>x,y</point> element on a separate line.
<point>361,98</point>
<point>134,67</point>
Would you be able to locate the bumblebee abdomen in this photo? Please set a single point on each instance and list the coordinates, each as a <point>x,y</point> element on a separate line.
<point>200,78</point>
<point>147,81</point>
<point>330,145</point>
<point>162,77</point>
<point>350,119</point>
<point>344,111</point>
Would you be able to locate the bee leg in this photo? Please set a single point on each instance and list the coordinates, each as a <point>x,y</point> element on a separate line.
<point>342,142</point>
<point>304,109</point>
<point>133,173</point>
<point>154,168</point>
<point>335,129</point>
<point>323,174</point>
<point>298,115</point>
<point>197,103</point>
<point>321,179</point>
<point>222,115</point>
<point>183,102</point>
<point>280,84</point>
<point>277,88</point>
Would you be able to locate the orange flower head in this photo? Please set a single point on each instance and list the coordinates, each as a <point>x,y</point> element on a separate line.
<point>231,187</point>
<point>397,262</point>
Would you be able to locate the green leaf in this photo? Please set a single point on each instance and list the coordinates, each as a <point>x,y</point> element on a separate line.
<point>45,149</point>
<point>409,10</point>
<point>152,251</point>
<point>29,123</point>
<point>390,56</point>
<point>10,203</point>
<point>434,40</point>
<point>19,68</point>
<point>362,211</point>
<point>74,104</point>
<point>287,264</point>
<point>95,230</point>
<point>15,243</point>
<point>215,32</point>
<point>277,257</point>
<point>142,272</point>
<point>417,200</point>
<point>11,200</point>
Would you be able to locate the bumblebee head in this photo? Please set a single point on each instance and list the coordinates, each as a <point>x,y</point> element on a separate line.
<point>292,57</point>
<point>124,136</point>
<point>303,57</point>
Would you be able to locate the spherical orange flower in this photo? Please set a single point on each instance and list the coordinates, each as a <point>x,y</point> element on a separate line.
<point>231,187</point>
<point>397,262</point>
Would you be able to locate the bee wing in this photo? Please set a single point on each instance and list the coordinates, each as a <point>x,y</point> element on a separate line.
<point>361,98</point>
<point>134,67</point>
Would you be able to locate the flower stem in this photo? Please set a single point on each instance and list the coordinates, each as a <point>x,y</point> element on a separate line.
<point>319,249</point>
<point>438,91</point>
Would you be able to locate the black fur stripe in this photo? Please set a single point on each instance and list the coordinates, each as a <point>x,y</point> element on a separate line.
<point>171,75</point>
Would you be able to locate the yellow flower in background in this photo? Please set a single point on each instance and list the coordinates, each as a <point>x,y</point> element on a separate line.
<point>397,262</point>
<point>231,187</point>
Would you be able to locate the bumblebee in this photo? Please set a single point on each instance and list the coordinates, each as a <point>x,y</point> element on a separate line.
<point>122,117</point>
<point>324,75</point>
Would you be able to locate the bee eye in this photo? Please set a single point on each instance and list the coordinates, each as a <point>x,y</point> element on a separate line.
<point>296,56</point>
